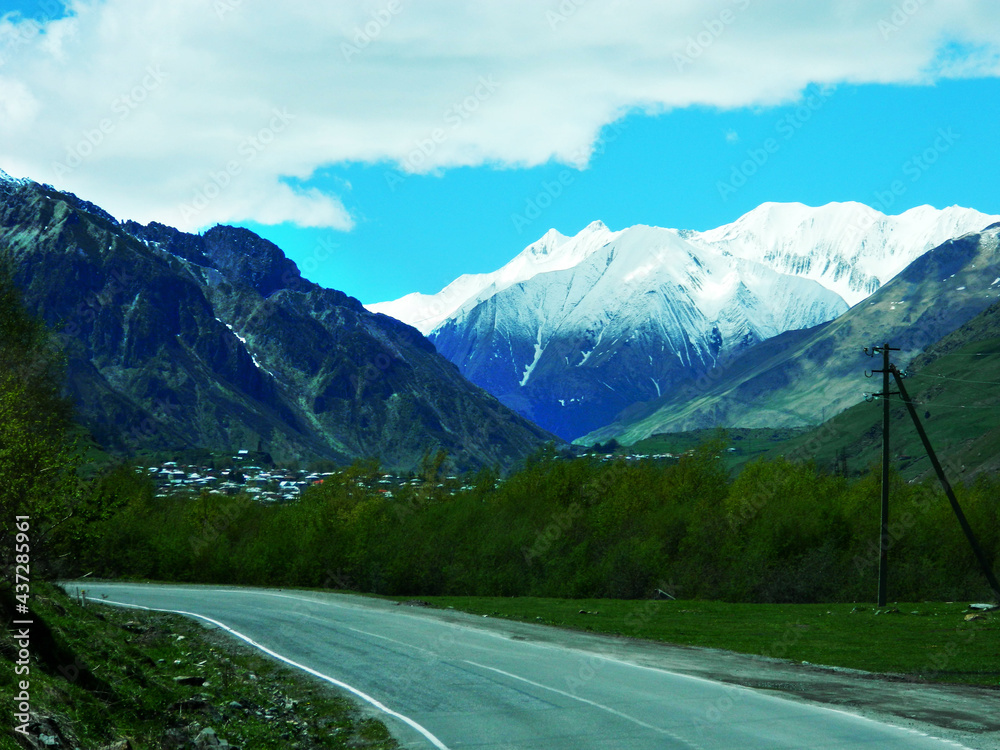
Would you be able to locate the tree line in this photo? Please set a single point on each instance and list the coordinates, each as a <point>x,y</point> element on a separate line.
<point>581,528</point>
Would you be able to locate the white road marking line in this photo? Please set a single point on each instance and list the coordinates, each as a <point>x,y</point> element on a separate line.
<point>364,696</point>
<point>616,712</point>
<point>433,654</point>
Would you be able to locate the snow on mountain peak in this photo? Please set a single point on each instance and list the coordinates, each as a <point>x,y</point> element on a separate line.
<point>638,313</point>
<point>554,251</point>
<point>574,329</point>
<point>546,243</point>
<point>849,248</point>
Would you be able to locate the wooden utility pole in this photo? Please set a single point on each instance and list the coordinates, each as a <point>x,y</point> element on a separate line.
<point>883,547</point>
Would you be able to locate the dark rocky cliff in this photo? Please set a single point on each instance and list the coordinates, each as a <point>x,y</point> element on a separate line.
<point>216,341</point>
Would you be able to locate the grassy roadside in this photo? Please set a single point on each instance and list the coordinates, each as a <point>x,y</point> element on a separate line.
<point>115,679</point>
<point>927,641</point>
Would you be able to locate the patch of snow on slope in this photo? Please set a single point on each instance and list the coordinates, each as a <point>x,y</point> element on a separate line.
<point>242,340</point>
<point>539,351</point>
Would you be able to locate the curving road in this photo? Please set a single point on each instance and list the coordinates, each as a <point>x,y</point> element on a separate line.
<point>449,680</point>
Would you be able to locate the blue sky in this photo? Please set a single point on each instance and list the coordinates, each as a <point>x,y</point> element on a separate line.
<point>844,143</point>
<point>388,147</point>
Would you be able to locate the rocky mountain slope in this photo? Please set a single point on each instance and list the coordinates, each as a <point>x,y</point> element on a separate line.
<point>216,341</point>
<point>575,329</point>
<point>805,377</point>
<point>570,349</point>
<point>955,386</point>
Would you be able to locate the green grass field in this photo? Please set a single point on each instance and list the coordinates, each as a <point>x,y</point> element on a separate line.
<point>926,641</point>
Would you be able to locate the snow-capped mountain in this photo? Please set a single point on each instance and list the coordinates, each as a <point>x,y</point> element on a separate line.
<point>849,248</point>
<point>553,252</point>
<point>575,329</point>
<point>804,377</point>
<point>572,348</point>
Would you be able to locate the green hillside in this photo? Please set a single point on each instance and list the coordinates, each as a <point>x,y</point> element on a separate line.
<point>955,386</point>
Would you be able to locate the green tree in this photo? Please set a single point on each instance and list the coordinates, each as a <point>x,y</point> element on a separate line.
<point>432,466</point>
<point>38,456</point>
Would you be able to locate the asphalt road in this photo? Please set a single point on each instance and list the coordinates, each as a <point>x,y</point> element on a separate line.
<point>449,680</point>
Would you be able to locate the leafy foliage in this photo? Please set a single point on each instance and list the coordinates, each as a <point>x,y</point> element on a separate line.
<point>778,532</point>
<point>37,449</point>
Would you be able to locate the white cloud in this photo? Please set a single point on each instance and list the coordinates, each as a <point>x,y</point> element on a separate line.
<point>143,107</point>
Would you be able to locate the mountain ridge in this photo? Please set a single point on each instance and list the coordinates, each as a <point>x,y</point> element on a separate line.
<point>952,382</point>
<point>705,297</point>
<point>569,348</point>
<point>858,220</point>
<point>803,377</point>
<point>216,341</point>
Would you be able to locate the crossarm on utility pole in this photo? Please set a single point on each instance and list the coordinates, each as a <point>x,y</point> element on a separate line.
<point>980,555</point>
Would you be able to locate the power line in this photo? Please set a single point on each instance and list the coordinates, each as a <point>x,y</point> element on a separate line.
<point>883,564</point>
<point>875,396</point>
<point>945,377</point>
<point>984,563</point>
<point>951,406</point>
<point>958,354</point>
